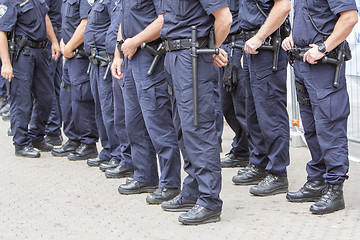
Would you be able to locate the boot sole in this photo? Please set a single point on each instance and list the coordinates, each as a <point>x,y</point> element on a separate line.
<point>198,222</point>
<point>93,155</point>
<point>274,192</point>
<point>254,182</point>
<point>300,200</point>
<point>327,211</point>
<point>137,191</point>
<point>60,154</point>
<point>118,175</point>
<point>185,208</point>
<point>20,155</point>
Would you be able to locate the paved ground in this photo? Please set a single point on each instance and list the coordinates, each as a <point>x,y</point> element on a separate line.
<point>52,198</point>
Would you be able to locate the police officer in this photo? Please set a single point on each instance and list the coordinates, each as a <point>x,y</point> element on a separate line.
<point>101,85</point>
<point>53,126</point>
<point>266,113</point>
<point>125,168</point>
<point>29,71</point>
<point>79,116</point>
<point>201,188</point>
<point>322,26</point>
<point>148,109</point>
<point>232,94</point>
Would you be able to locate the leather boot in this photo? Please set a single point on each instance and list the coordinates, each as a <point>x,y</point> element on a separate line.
<point>331,201</point>
<point>230,161</point>
<point>65,149</point>
<point>310,192</point>
<point>83,152</point>
<point>253,176</point>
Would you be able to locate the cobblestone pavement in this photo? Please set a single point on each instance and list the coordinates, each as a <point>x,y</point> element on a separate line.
<point>53,198</point>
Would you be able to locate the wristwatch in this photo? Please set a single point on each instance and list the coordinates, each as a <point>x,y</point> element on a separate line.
<point>322,48</point>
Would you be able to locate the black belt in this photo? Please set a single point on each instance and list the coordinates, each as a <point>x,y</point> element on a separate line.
<point>233,38</point>
<point>181,44</point>
<point>299,52</point>
<point>30,43</point>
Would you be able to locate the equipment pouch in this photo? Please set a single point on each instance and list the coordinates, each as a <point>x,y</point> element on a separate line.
<point>285,28</point>
<point>230,77</point>
<point>347,51</point>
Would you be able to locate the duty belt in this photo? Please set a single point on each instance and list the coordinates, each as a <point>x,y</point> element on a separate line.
<point>298,53</point>
<point>25,42</point>
<point>242,35</point>
<point>101,57</point>
<point>181,44</point>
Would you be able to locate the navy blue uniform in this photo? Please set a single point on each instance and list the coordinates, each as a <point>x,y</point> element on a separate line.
<point>148,109</point>
<point>233,103</point>
<point>200,143</point>
<point>77,104</point>
<point>94,36</point>
<point>117,85</point>
<point>266,115</point>
<point>31,68</point>
<point>53,126</point>
<point>325,119</point>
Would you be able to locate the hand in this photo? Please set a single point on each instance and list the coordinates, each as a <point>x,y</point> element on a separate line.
<point>129,48</point>
<point>68,52</point>
<point>288,43</point>
<point>55,50</point>
<point>221,59</point>
<point>313,54</point>
<point>116,67</point>
<point>252,44</point>
<point>7,71</point>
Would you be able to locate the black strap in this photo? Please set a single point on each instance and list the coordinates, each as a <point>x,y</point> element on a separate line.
<point>66,86</point>
<point>181,44</point>
<point>304,101</point>
<point>301,87</point>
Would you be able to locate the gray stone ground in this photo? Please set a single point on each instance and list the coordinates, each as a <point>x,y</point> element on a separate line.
<point>53,198</point>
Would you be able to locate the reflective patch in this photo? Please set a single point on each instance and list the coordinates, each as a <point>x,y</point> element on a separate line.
<point>22,4</point>
<point>91,2</point>
<point>3,10</point>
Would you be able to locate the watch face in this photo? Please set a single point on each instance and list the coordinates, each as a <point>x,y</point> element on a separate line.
<point>322,48</point>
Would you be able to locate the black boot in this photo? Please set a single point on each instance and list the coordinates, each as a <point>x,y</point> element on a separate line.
<point>161,195</point>
<point>43,146</point>
<point>83,152</point>
<point>199,215</point>
<point>119,172</point>
<point>108,165</point>
<point>254,175</point>
<point>178,204</point>
<point>9,132</point>
<point>5,108</point>
<point>68,147</point>
<point>3,102</point>
<point>95,162</point>
<point>230,161</point>
<point>28,152</point>
<point>54,140</point>
<point>310,192</point>
<point>270,185</point>
<point>331,201</point>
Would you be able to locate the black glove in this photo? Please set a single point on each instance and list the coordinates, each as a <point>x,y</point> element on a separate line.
<point>230,77</point>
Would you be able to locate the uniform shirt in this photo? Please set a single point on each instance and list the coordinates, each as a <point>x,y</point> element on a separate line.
<point>250,17</point>
<point>111,35</point>
<point>137,15</point>
<point>97,25</point>
<point>27,17</point>
<point>55,12</point>
<point>234,9</point>
<point>180,15</point>
<point>73,11</point>
<point>324,14</point>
